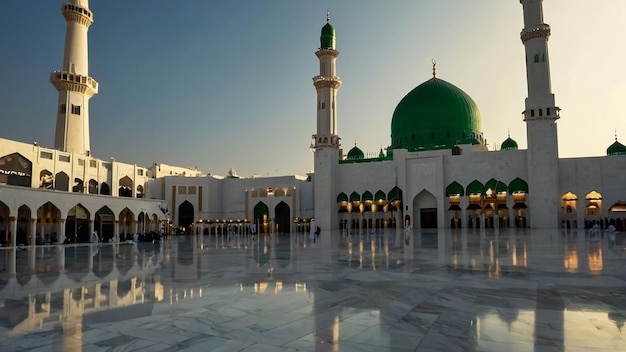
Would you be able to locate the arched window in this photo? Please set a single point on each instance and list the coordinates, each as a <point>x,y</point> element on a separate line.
<point>140,191</point>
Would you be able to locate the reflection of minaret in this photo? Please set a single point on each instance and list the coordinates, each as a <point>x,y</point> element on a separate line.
<point>73,82</point>
<point>540,115</point>
<point>325,142</point>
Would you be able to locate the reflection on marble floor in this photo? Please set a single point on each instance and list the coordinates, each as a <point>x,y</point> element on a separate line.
<point>446,290</point>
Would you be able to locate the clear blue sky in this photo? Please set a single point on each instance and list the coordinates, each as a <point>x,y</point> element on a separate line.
<point>221,84</point>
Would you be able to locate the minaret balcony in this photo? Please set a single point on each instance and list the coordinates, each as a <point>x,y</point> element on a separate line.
<point>77,14</point>
<point>321,141</point>
<point>327,82</point>
<point>327,52</point>
<point>63,80</point>
<point>542,113</point>
<point>539,31</point>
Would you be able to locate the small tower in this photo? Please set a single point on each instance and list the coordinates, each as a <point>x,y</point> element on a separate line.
<point>73,83</point>
<point>540,115</point>
<point>325,143</point>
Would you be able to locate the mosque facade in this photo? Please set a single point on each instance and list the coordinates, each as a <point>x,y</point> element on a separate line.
<point>436,172</point>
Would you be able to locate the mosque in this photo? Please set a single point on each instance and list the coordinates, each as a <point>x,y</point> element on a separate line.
<point>437,171</point>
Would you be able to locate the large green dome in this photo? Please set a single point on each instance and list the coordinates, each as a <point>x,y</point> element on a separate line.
<point>435,115</point>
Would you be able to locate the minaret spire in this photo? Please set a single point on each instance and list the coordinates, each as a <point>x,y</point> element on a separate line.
<point>540,115</point>
<point>73,82</point>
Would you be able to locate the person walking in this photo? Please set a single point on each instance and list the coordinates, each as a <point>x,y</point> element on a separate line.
<point>94,237</point>
<point>313,230</point>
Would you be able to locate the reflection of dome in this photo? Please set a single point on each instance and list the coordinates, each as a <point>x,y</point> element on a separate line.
<point>509,144</point>
<point>355,153</point>
<point>616,148</point>
<point>435,115</point>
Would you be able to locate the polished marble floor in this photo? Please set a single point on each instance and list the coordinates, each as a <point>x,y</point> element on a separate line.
<point>446,290</point>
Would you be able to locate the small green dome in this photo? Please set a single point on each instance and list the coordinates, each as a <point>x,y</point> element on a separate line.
<point>509,144</point>
<point>435,115</point>
<point>355,153</point>
<point>616,148</point>
<point>327,38</point>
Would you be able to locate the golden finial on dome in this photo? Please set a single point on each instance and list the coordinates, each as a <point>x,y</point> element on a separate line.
<point>327,16</point>
<point>434,68</point>
<point>616,135</point>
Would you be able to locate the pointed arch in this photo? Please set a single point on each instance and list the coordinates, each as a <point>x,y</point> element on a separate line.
<point>126,187</point>
<point>49,216</point>
<point>141,222</point>
<point>77,224</point>
<point>46,179</point>
<point>425,210</point>
<point>342,197</point>
<point>593,203</point>
<point>494,186</point>
<point>93,186</point>
<point>355,197</point>
<point>261,211</point>
<point>104,222</point>
<point>343,203</point>
<point>367,196</point>
<point>78,186</point>
<point>395,199</point>
<point>126,221</point>
<point>283,217</point>
<point>16,170</point>
<point>518,186</point>
<point>105,190</point>
<point>139,191</point>
<point>568,203</point>
<point>186,216</point>
<point>475,188</point>
<point>61,182</point>
<point>619,206</point>
<point>23,224</point>
<point>455,189</point>
<point>261,216</point>
<point>380,195</point>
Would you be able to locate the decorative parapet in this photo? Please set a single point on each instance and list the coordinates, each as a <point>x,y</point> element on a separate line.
<point>539,31</point>
<point>63,80</point>
<point>77,14</point>
<point>327,52</point>
<point>327,82</point>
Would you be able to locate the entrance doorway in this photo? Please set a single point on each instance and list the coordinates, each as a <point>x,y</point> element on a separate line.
<point>428,217</point>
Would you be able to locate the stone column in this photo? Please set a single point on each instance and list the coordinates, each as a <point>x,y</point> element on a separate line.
<point>61,233</point>
<point>13,231</point>
<point>33,231</point>
<point>60,257</point>
<point>91,229</point>
<point>116,231</point>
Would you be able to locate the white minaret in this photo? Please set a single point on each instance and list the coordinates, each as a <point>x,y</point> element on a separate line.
<point>325,142</point>
<point>73,82</point>
<point>540,116</point>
